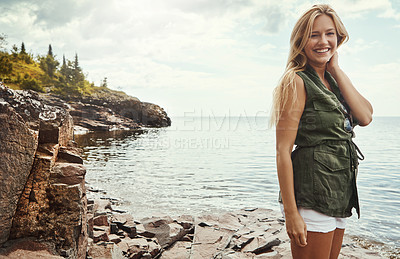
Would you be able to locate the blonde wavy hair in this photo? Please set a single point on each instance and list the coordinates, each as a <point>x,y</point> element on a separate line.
<point>297,59</point>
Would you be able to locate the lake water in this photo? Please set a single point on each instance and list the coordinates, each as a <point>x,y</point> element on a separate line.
<point>217,164</point>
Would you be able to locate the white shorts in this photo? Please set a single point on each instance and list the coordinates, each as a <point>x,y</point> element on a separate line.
<point>318,222</point>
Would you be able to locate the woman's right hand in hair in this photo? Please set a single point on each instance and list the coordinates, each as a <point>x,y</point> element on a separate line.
<point>296,228</point>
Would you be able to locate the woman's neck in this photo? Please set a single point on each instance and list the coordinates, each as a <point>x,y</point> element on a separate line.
<point>320,69</point>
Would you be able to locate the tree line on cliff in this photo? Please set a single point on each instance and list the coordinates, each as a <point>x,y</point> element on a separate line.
<point>43,73</point>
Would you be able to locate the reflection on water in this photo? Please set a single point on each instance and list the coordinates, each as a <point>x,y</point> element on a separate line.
<point>211,165</point>
<point>105,138</point>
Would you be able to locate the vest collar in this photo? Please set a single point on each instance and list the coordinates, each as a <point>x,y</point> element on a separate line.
<point>332,82</point>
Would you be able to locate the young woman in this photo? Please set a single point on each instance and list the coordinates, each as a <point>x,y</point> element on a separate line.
<point>315,108</point>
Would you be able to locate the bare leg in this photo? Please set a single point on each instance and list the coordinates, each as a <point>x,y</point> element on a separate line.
<point>336,243</point>
<point>318,246</point>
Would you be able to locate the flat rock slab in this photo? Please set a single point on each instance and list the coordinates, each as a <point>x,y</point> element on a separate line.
<point>248,233</point>
<point>26,248</point>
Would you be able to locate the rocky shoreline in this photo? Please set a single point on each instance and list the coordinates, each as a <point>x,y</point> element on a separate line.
<point>42,187</point>
<point>43,202</point>
<point>109,111</point>
<point>46,210</point>
<point>245,233</point>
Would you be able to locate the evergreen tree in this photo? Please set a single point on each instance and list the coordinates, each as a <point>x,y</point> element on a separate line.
<point>23,55</point>
<point>22,51</point>
<point>104,83</point>
<point>77,74</point>
<point>14,52</point>
<point>64,68</point>
<point>49,65</point>
<point>76,63</point>
<point>50,52</point>
<point>71,79</point>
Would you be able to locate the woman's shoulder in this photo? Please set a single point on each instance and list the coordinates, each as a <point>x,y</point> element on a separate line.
<point>303,74</point>
<point>298,82</point>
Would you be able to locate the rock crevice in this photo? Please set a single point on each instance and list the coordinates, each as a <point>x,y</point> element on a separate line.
<point>42,187</point>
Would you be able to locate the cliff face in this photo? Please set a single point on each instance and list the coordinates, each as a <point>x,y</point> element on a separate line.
<point>42,187</point>
<point>110,110</point>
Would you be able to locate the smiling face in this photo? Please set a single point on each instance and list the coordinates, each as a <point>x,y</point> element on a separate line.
<point>322,43</point>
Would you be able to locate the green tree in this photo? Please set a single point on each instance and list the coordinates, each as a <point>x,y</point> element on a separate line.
<point>104,82</point>
<point>50,51</point>
<point>49,65</point>
<point>77,75</point>
<point>23,55</point>
<point>71,80</point>
<point>64,69</point>
<point>29,83</point>
<point>14,52</point>
<point>22,51</point>
<point>5,66</point>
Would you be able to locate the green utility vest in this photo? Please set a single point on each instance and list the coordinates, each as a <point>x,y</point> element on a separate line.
<point>325,158</point>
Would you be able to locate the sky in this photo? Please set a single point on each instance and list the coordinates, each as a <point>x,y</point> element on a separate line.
<point>205,57</point>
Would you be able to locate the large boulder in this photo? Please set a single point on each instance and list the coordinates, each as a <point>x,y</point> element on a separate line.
<point>17,150</point>
<point>42,183</point>
<point>24,122</point>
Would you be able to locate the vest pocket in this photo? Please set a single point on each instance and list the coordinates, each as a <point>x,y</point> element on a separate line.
<point>327,110</point>
<point>331,176</point>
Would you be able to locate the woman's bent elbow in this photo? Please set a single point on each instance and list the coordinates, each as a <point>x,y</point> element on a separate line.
<point>365,121</point>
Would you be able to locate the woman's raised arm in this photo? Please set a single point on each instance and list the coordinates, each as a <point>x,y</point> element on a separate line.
<point>360,107</point>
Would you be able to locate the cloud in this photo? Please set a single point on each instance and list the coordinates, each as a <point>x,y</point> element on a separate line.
<point>46,13</point>
<point>53,13</point>
<point>358,8</point>
<point>359,45</point>
<point>221,46</point>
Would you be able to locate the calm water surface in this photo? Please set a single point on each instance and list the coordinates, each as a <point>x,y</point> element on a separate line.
<point>209,165</point>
